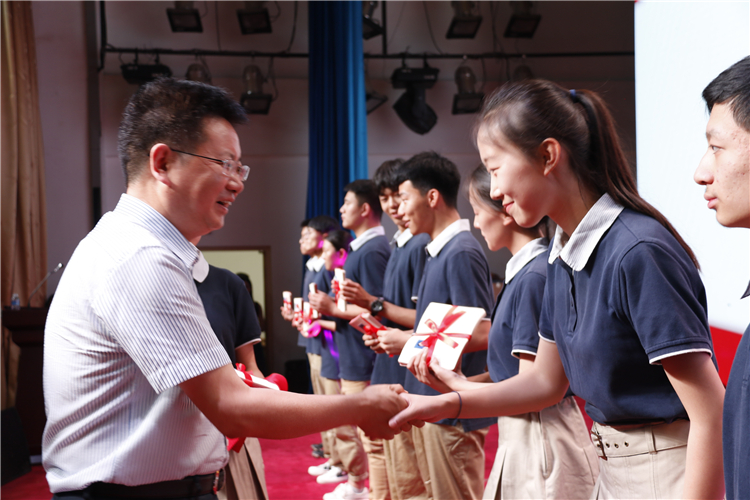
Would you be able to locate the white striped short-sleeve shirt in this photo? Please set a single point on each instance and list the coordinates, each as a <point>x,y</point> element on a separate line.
<point>126,327</point>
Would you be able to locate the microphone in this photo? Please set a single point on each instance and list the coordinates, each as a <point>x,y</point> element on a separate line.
<point>57,268</point>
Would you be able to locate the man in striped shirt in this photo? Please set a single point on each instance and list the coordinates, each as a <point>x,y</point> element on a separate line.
<point>138,390</point>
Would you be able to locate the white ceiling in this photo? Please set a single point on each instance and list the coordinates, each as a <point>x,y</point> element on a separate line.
<point>586,26</point>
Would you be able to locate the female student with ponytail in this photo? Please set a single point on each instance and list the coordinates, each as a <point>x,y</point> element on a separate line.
<point>540,454</point>
<point>623,320</point>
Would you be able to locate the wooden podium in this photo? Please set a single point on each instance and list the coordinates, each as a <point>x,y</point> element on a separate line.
<point>27,327</point>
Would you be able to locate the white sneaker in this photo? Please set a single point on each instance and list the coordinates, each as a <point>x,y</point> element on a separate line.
<point>347,492</point>
<point>334,475</point>
<point>318,470</point>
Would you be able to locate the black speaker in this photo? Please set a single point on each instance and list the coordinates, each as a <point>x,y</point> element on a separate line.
<point>14,460</point>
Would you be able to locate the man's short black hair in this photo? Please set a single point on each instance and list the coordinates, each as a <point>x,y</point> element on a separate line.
<point>304,223</point>
<point>323,224</point>
<point>429,170</point>
<point>732,87</point>
<point>172,112</point>
<point>339,239</point>
<point>366,192</point>
<point>385,176</point>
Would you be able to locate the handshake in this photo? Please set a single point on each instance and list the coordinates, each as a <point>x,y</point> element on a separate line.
<point>386,410</point>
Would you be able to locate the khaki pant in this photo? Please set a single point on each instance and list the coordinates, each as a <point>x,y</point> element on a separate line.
<point>245,474</point>
<point>348,444</point>
<point>328,438</point>
<point>546,454</point>
<point>644,462</point>
<point>450,461</point>
<point>404,479</point>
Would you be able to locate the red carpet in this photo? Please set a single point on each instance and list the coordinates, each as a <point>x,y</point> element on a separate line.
<point>286,471</point>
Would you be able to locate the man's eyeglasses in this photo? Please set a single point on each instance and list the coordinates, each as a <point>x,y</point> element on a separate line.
<point>231,167</point>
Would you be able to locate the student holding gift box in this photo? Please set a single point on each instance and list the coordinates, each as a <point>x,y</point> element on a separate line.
<point>451,451</point>
<point>623,321</point>
<point>397,309</point>
<point>545,454</point>
<point>365,264</point>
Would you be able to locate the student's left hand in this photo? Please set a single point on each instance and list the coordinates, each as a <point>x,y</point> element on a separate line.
<point>322,303</point>
<point>373,343</point>
<point>355,294</point>
<point>428,375</point>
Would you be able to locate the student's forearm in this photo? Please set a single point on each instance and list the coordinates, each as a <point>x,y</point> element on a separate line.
<point>401,315</point>
<point>701,392</point>
<point>352,311</point>
<point>327,324</point>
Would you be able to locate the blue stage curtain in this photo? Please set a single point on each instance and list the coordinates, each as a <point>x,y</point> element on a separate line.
<point>338,117</point>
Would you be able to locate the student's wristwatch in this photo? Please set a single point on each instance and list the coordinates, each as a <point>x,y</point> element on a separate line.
<point>376,307</point>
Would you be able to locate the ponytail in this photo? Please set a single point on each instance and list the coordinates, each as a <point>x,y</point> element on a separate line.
<point>530,111</point>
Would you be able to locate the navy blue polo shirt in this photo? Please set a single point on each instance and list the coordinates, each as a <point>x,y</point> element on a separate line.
<point>229,309</point>
<point>625,299</point>
<point>309,277</point>
<point>322,279</point>
<point>457,275</point>
<point>401,283</point>
<point>365,265</point>
<point>736,428</point>
<point>515,320</point>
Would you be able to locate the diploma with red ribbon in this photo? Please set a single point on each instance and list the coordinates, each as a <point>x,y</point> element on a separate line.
<point>367,324</point>
<point>274,381</point>
<point>444,330</point>
<point>339,275</point>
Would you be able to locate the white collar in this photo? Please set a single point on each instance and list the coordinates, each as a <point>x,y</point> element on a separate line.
<point>523,257</point>
<point>315,263</point>
<point>200,269</point>
<point>402,237</point>
<point>586,237</point>
<point>366,236</point>
<point>442,239</point>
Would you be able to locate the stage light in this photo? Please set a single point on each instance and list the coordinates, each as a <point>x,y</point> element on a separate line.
<point>370,27</point>
<point>466,20</point>
<point>412,107</point>
<point>198,72</point>
<point>138,74</point>
<point>254,100</point>
<point>523,22</point>
<point>254,19</point>
<point>467,100</point>
<point>184,18</point>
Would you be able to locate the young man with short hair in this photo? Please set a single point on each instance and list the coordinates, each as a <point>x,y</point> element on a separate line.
<point>391,461</point>
<point>725,172</point>
<point>450,452</point>
<point>366,265</point>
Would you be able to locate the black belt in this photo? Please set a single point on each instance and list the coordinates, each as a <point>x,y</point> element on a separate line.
<point>186,487</point>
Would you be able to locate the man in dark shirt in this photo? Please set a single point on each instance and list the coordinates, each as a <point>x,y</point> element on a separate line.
<point>725,171</point>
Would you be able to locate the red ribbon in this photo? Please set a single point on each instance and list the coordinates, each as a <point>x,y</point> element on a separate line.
<point>235,444</point>
<point>336,288</point>
<point>438,332</point>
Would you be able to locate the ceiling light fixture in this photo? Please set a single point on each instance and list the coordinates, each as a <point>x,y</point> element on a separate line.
<point>370,27</point>
<point>184,18</point>
<point>138,74</point>
<point>466,20</point>
<point>467,100</point>
<point>254,19</point>
<point>523,22</point>
<point>254,100</point>
<point>412,107</point>
<point>198,72</point>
